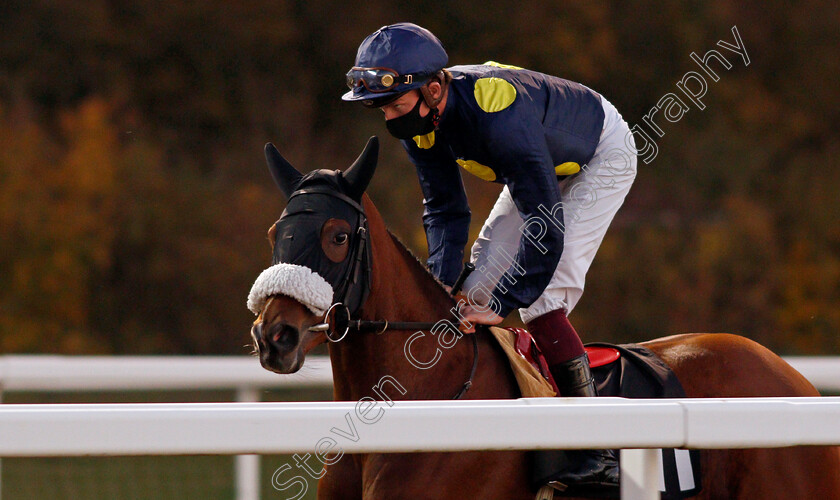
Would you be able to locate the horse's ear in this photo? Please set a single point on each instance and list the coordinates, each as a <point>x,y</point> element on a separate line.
<point>285,175</point>
<point>359,174</point>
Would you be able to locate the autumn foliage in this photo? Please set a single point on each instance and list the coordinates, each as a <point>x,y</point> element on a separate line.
<point>134,199</point>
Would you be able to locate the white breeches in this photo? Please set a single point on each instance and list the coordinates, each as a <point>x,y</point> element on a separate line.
<point>590,199</point>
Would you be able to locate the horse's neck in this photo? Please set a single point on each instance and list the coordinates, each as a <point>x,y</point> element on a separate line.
<point>401,287</point>
<point>401,290</point>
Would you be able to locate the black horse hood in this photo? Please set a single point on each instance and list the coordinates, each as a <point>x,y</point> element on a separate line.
<point>314,199</point>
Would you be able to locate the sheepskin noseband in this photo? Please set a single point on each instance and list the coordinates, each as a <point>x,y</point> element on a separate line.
<point>298,282</point>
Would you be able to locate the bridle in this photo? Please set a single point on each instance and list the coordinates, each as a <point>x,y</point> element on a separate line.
<point>355,288</point>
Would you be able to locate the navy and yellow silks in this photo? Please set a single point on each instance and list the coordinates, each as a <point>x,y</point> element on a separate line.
<point>512,126</point>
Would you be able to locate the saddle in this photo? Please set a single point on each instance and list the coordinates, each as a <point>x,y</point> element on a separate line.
<point>628,371</point>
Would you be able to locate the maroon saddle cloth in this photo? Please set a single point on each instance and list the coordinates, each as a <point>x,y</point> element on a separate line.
<point>631,371</point>
<point>526,346</point>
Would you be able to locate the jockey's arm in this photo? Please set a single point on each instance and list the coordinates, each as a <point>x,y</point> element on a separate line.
<point>446,217</point>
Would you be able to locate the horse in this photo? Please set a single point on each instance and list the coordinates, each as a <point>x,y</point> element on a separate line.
<point>400,363</point>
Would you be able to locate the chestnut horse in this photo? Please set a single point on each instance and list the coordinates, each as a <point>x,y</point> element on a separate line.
<point>402,289</point>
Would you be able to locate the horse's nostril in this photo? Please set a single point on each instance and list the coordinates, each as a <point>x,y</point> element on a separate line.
<point>283,337</point>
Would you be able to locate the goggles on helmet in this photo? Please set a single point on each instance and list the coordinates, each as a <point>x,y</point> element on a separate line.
<point>378,79</point>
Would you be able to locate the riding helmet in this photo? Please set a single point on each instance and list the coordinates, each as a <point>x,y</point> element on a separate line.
<point>393,60</point>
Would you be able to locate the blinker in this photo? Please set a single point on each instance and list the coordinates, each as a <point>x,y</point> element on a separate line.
<point>298,241</point>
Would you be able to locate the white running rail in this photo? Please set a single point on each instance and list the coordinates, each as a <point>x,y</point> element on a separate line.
<point>242,374</point>
<point>122,373</point>
<point>45,373</point>
<point>541,423</point>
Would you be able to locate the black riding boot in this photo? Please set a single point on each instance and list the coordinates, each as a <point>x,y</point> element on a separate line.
<point>590,469</point>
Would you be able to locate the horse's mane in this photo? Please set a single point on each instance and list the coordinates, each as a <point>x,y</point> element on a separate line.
<point>410,256</point>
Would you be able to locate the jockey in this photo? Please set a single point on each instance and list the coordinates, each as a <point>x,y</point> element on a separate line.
<point>566,159</point>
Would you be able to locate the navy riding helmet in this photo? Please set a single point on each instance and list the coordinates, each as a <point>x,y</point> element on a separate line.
<point>393,60</point>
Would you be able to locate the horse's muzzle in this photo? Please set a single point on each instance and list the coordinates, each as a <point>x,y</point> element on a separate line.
<point>278,345</point>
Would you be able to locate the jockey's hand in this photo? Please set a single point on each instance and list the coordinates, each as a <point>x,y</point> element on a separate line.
<point>472,316</point>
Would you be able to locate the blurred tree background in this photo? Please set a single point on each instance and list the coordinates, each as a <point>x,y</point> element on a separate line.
<point>134,198</point>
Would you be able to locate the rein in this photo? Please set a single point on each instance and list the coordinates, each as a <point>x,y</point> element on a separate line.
<point>381,326</point>
<point>341,318</point>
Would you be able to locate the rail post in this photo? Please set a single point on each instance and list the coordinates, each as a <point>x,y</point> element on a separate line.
<point>247,467</point>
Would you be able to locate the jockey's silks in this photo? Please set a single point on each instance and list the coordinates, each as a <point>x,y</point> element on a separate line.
<point>519,128</point>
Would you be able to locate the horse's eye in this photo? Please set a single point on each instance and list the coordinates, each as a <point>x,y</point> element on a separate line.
<point>335,238</point>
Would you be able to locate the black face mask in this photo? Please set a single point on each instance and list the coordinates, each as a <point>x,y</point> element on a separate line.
<point>412,124</point>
